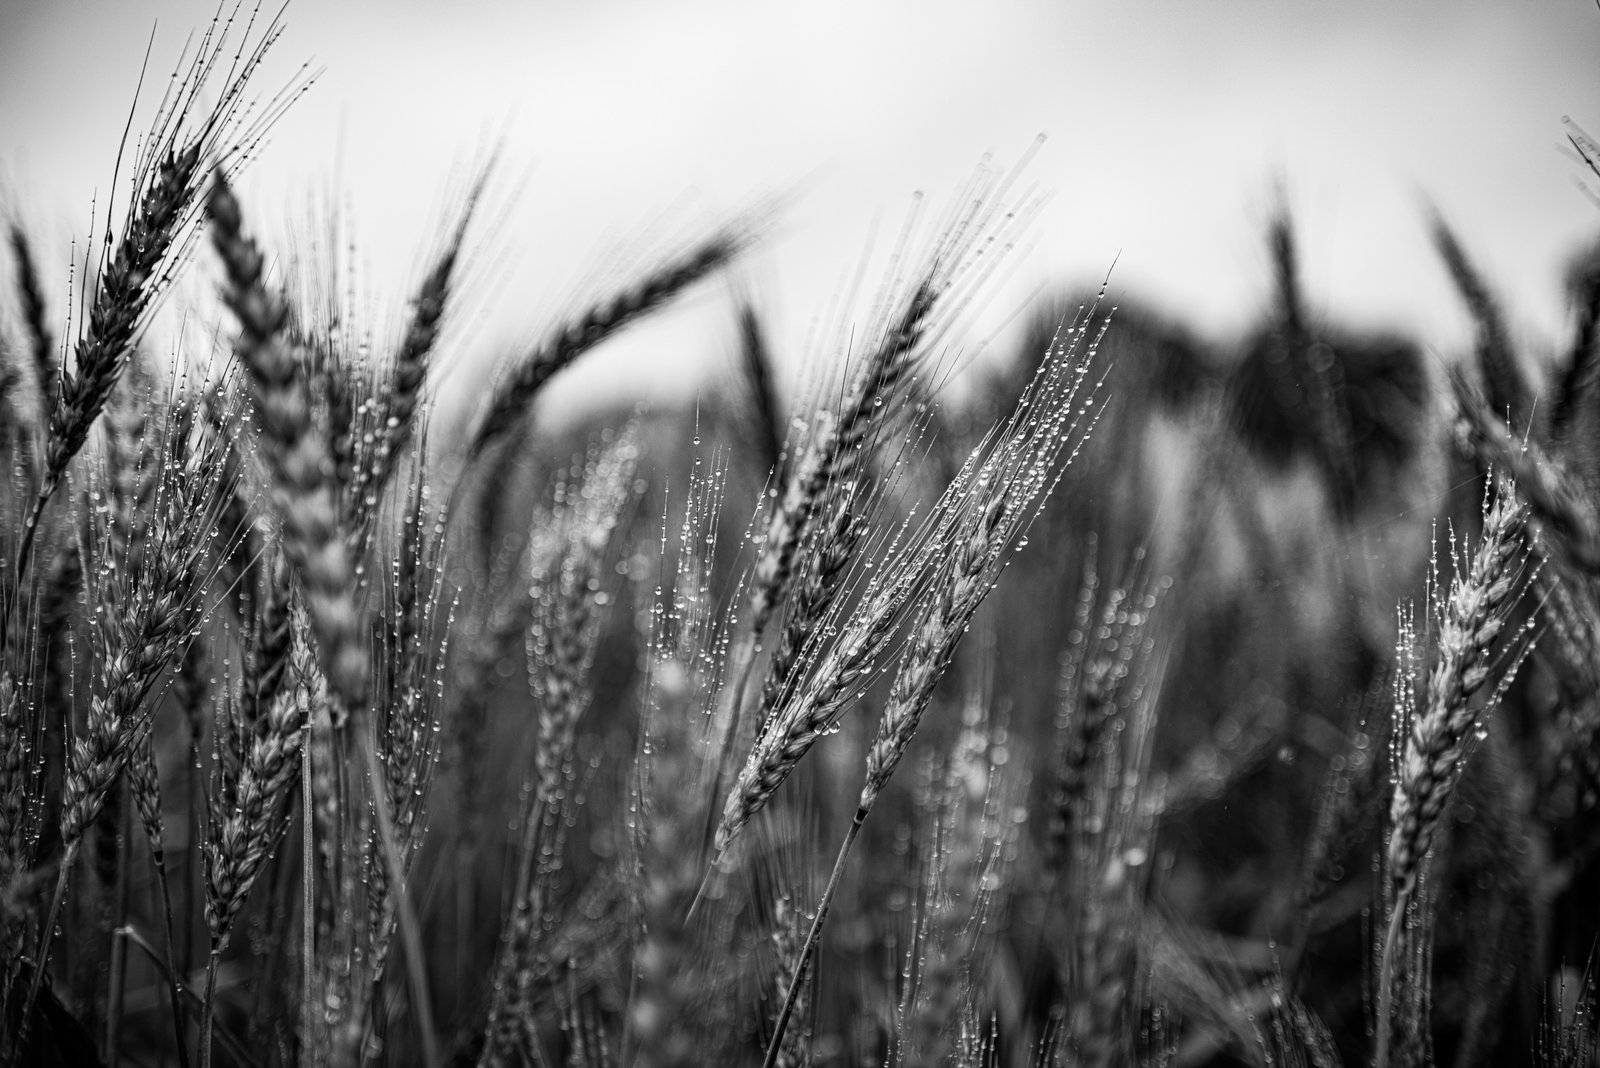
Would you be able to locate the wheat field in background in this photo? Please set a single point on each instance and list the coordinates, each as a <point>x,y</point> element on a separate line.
<point>1146,702</point>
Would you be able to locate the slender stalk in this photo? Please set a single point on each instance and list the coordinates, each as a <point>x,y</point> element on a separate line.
<point>410,930</point>
<point>229,1041</point>
<point>119,954</point>
<point>208,1003</point>
<point>308,901</point>
<point>813,936</point>
<point>41,956</point>
<point>172,972</point>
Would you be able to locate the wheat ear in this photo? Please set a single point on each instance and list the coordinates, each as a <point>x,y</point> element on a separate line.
<point>411,361</point>
<point>571,340</point>
<point>977,523</point>
<point>41,345</point>
<point>756,360</point>
<point>150,633</point>
<point>297,454</point>
<point>251,816</point>
<point>1471,619</point>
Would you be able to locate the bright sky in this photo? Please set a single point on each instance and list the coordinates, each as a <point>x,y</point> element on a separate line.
<point>1170,126</point>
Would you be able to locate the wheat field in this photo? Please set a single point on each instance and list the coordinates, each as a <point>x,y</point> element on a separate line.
<point>1127,699</point>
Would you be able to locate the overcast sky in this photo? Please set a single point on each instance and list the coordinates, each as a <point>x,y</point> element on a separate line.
<point>1170,126</point>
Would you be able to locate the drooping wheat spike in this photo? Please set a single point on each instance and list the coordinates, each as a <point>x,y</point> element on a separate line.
<point>848,667</point>
<point>1441,733</point>
<point>840,445</point>
<point>297,452</point>
<point>1508,389</point>
<point>980,517</point>
<point>513,396</point>
<point>975,525</point>
<point>41,345</point>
